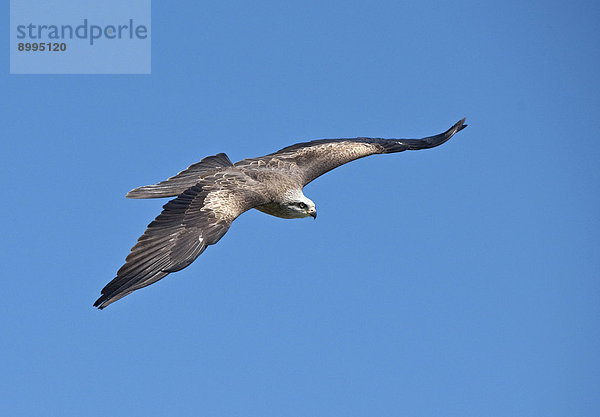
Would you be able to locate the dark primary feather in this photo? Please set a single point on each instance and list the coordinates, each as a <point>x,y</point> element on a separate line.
<point>172,241</point>
<point>182,181</point>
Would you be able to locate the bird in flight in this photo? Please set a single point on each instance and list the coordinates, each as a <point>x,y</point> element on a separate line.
<point>212,193</point>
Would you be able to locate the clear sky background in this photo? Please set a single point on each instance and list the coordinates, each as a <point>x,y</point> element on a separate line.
<point>457,281</point>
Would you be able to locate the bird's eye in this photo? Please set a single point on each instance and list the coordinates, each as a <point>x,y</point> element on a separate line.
<point>302,205</point>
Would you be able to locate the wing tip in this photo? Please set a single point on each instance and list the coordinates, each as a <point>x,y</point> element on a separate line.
<point>108,298</point>
<point>444,137</point>
<point>437,140</point>
<point>460,125</point>
<point>99,303</point>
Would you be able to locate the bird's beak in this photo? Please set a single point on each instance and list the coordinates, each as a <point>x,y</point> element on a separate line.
<point>313,213</point>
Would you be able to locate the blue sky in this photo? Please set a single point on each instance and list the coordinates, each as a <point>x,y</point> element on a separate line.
<point>457,281</point>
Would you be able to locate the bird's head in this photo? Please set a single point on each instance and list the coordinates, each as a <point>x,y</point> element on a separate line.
<point>298,206</point>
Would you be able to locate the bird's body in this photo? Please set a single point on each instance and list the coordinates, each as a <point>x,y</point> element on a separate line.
<point>212,193</point>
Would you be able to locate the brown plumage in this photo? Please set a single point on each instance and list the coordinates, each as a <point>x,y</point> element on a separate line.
<point>212,193</point>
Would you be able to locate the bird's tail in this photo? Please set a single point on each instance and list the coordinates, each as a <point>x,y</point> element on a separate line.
<point>185,179</point>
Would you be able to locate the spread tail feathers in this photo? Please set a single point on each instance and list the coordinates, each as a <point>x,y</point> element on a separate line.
<point>185,179</point>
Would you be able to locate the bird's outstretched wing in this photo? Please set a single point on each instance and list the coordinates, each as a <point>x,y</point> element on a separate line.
<point>197,218</point>
<point>317,157</point>
<point>182,181</point>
